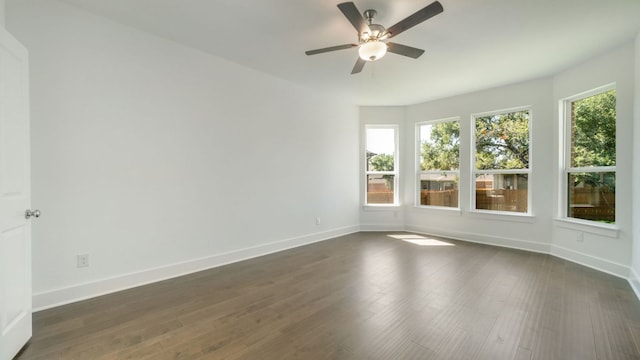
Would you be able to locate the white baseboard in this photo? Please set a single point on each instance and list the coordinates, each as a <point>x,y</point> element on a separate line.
<point>57,297</point>
<point>482,239</point>
<point>591,261</point>
<point>634,281</point>
<point>382,227</point>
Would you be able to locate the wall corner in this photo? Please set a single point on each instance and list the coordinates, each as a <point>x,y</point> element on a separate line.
<point>2,14</point>
<point>635,204</point>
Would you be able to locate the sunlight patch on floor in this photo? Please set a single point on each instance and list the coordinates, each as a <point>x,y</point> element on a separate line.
<point>420,240</point>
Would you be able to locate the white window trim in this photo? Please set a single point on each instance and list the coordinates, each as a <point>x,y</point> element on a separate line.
<point>396,163</point>
<point>563,219</point>
<point>474,171</point>
<point>419,171</point>
<point>588,226</point>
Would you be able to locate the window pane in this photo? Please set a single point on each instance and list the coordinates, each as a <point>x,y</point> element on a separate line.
<point>502,141</point>
<point>593,130</point>
<point>440,146</point>
<point>502,192</point>
<point>380,149</point>
<point>439,190</point>
<point>592,196</point>
<point>380,189</point>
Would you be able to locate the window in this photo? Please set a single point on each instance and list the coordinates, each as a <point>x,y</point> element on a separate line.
<point>439,163</point>
<point>589,176</point>
<point>381,164</point>
<point>501,170</point>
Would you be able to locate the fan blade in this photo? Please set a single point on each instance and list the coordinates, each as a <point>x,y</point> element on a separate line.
<point>354,16</point>
<point>332,48</point>
<point>404,50</point>
<point>358,66</point>
<point>419,16</point>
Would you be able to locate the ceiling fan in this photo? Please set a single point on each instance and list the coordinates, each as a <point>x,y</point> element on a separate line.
<point>371,45</point>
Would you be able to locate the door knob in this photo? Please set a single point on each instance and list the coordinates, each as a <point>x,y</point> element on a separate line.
<point>29,213</point>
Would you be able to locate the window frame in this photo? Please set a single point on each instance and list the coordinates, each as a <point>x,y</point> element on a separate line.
<point>474,172</point>
<point>565,168</point>
<point>420,172</point>
<point>396,167</point>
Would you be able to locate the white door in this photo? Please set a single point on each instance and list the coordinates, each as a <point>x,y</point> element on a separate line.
<point>15,198</point>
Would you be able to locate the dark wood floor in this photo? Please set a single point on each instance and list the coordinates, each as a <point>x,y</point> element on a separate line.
<point>362,296</point>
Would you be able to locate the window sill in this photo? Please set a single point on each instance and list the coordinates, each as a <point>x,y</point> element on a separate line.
<point>503,216</point>
<point>591,227</point>
<point>440,209</point>
<point>390,207</point>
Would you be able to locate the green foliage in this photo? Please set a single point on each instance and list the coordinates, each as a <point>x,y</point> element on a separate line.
<point>594,130</point>
<point>604,181</point>
<point>382,162</point>
<point>593,137</point>
<point>442,150</point>
<point>502,141</point>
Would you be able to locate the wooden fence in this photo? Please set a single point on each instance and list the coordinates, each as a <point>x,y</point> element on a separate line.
<point>502,199</point>
<point>380,197</point>
<point>589,203</point>
<point>447,198</point>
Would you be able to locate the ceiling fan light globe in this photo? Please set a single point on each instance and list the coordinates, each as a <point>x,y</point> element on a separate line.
<point>372,50</point>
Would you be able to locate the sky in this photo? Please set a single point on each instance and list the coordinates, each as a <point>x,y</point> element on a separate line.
<point>381,141</point>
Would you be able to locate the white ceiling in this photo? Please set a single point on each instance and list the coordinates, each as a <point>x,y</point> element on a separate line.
<point>472,45</point>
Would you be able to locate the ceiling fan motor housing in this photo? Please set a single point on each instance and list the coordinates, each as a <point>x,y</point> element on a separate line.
<point>376,30</point>
<point>376,33</point>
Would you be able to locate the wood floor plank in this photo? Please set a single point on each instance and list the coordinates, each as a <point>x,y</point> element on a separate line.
<point>362,296</point>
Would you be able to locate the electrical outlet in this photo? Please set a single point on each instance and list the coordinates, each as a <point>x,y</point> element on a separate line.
<point>83,260</point>
<point>317,221</point>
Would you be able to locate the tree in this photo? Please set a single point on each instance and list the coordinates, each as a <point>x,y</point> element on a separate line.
<point>502,141</point>
<point>594,130</point>
<point>442,150</point>
<point>383,162</point>
<point>593,134</point>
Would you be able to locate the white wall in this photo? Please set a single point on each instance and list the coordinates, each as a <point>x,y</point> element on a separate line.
<point>531,233</point>
<point>606,250</point>
<point>374,218</point>
<point>635,208</point>
<point>158,160</point>
<point>2,12</point>
<point>589,245</point>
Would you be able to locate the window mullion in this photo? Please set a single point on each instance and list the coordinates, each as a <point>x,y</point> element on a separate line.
<point>591,169</point>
